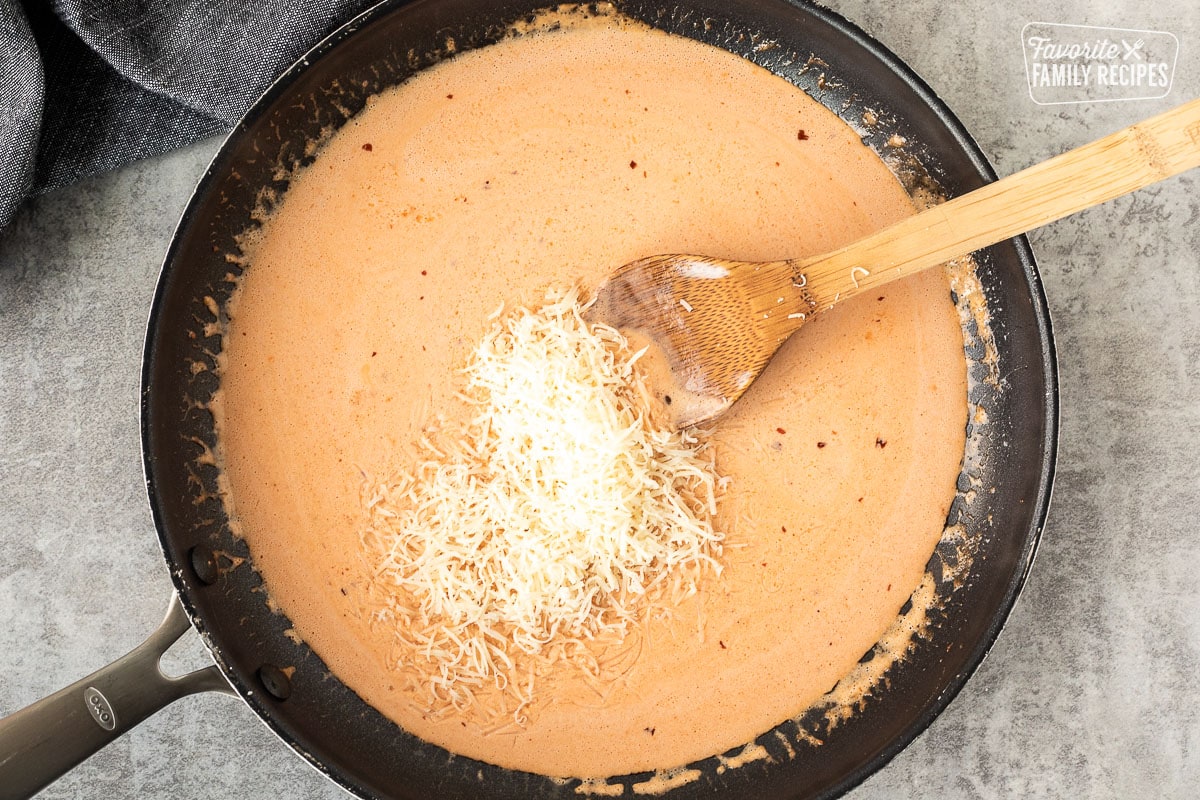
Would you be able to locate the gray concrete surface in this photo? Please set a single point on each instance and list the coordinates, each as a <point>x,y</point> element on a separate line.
<point>1091,690</point>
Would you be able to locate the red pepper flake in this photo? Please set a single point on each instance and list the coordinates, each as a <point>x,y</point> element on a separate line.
<point>880,442</point>
<point>424,272</point>
<point>449,97</point>
<point>721,643</point>
<point>633,165</point>
<point>368,147</point>
<point>880,298</point>
<point>780,430</point>
<point>783,528</point>
<point>374,353</point>
<point>649,731</point>
<point>820,444</point>
<point>801,135</point>
<point>889,588</point>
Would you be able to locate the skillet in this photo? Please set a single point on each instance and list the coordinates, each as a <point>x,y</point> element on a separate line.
<point>289,687</point>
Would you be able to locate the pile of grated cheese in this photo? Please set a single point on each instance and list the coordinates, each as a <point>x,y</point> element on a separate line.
<point>552,516</point>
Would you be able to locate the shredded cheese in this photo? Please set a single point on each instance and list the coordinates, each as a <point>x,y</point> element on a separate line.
<point>553,519</point>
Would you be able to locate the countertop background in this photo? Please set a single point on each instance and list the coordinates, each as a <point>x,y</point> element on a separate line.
<point>1091,690</point>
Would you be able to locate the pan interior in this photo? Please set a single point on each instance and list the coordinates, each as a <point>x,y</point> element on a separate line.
<point>328,723</point>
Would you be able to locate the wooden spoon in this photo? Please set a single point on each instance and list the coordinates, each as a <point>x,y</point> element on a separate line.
<point>718,322</point>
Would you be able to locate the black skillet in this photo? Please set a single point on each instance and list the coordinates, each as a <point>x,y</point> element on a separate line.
<point>288,686</point>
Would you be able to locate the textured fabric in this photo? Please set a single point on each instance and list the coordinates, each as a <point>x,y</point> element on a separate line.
<point>88,85</point>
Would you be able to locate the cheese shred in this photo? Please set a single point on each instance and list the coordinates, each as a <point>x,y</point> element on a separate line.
<point>559,515</point>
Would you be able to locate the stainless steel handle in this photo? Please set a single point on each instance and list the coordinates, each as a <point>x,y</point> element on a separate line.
<point>43,741</point>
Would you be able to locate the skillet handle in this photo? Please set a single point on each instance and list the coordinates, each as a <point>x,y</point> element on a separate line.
<point>43,741</point>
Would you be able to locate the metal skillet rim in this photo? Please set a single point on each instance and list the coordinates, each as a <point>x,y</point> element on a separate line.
<point>1041,315</point>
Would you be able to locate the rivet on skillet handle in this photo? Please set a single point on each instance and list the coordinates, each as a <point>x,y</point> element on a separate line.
<point>41,742</point>
<point>275,681</point>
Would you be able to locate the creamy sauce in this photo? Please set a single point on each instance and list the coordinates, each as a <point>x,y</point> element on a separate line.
<point>551,159</point>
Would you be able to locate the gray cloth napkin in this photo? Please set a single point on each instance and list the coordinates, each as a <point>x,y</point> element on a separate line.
<point>88,85</point>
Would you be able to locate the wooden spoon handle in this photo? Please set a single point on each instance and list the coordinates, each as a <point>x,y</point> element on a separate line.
<point>1122,162</point>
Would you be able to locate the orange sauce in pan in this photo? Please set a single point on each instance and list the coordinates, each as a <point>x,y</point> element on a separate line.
<point>549,159</point>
